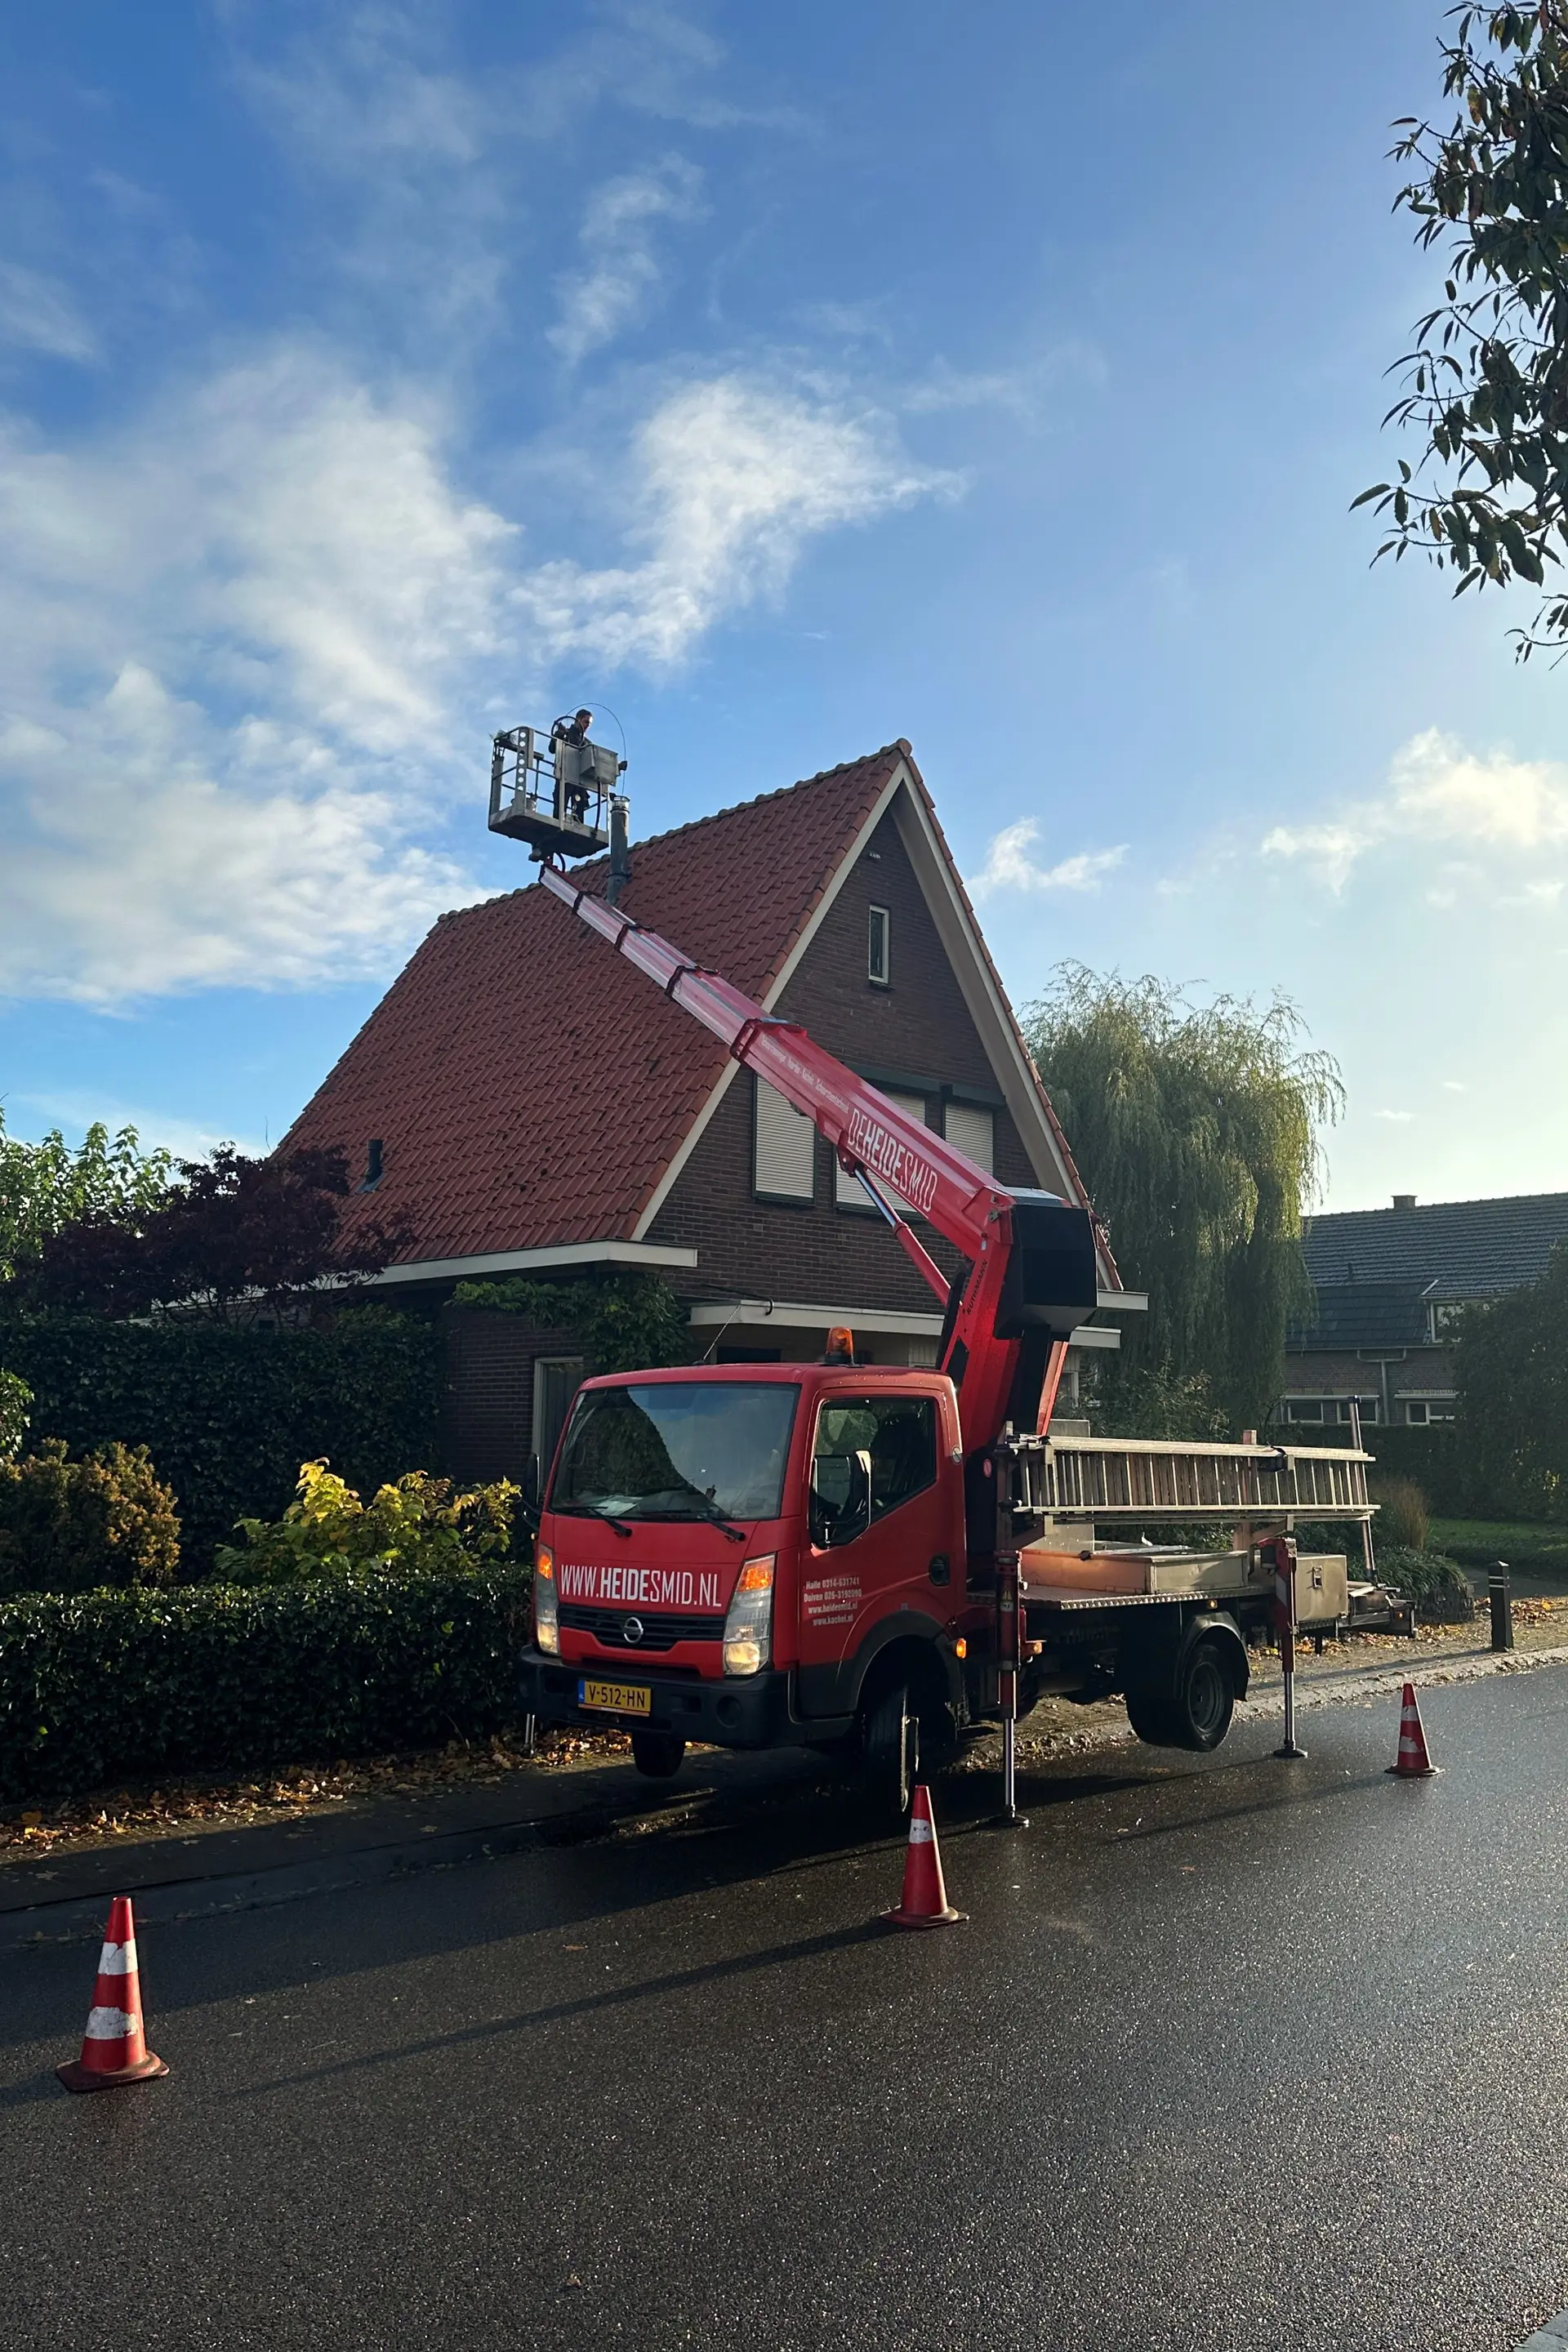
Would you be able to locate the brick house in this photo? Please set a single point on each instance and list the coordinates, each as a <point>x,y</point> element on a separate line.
<point>530,1104</point>
<point>1389,1284</point>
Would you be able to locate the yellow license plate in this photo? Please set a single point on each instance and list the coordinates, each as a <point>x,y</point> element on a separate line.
<point>620,1698</point>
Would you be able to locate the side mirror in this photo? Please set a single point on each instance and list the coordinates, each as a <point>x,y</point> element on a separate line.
<point>530,1483</point>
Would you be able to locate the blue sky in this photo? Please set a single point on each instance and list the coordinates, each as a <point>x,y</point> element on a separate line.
<point>787,380</point>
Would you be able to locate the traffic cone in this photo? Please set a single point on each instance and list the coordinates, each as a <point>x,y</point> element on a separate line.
<point>925,1902</point>
<point>1412,1763</point>
<point>114,2050</point>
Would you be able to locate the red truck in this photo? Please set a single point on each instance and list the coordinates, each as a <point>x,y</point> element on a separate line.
<point>863,1558</point>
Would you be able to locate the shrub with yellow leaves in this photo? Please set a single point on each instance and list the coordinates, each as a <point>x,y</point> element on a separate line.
<point>416,1522</point>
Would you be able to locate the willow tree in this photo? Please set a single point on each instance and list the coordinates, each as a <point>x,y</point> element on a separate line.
<point>1485,383</point>
<point>1197,1130</point>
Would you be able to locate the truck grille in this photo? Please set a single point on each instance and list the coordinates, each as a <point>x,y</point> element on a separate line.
<point>661,1629</point>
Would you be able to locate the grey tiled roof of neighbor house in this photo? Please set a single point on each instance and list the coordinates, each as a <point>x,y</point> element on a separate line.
<point>1377,1271</point>
<point>1366,1315</point>
<point>1447,1249</point>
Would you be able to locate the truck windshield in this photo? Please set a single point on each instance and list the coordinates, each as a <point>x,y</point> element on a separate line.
<point>676,1450</point>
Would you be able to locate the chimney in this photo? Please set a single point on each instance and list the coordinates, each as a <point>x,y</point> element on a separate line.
<point>1404,1200</point>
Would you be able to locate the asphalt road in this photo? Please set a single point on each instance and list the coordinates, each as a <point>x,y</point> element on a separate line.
<point>1230,2054</point>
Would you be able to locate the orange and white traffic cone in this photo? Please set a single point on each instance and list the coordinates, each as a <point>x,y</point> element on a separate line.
<point>115,2049</point>
<point>925,1902</point>
<point>1412,1763</point>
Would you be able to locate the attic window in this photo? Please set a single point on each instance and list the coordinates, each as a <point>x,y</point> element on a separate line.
<point>374,1151</point>
<point>878,947</point>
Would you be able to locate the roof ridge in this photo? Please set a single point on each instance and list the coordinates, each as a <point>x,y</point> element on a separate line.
<point>1425,1208</point>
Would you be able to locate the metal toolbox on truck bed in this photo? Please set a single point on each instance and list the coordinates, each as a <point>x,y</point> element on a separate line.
<point>1167,1572</point>
<point>1322,1587</point>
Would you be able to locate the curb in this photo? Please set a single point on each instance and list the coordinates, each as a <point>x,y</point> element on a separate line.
<point>79,1919</point>
<point>198,1896</point>
<point>1340,1687</point>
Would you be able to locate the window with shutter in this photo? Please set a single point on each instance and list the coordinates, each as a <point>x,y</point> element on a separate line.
<point>973,1131</point>
<point>847,1189</point>
<point>783,1147</point>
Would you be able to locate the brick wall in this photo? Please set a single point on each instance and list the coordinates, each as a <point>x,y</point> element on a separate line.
<point>916,1029</point>
<point>487,1417</point>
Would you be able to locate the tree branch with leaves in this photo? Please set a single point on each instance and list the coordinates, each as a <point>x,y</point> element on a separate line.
<point>1487,377</point>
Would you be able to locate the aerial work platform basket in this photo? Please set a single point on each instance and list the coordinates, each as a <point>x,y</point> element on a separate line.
<point>556,792</point>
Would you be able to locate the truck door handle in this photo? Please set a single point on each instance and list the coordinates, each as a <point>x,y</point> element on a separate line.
<point>940,1571</point>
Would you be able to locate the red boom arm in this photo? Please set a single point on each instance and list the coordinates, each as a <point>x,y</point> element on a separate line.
<point>883,1146</point>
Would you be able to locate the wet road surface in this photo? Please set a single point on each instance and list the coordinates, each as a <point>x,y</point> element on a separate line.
<point>1231,2054</point>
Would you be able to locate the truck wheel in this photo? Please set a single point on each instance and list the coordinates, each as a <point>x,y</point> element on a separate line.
<point>1203,1699</point>
<point>1152,1716</point>
<point>892,1753</point>
<point>658,1754</point>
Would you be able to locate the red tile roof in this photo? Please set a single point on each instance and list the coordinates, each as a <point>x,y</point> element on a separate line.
<point>530,1088</point>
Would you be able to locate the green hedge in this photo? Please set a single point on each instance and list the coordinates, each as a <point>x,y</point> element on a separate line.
<point>76,1527</point>
<point>1437,1459</point>
<point>229,1413</point>
<point>96,1687</point>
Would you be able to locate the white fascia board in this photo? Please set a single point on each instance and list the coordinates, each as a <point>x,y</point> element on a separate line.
<point>1129,1302</point>
<point>792,1314</point>
<point>535,1261</point>
<point>698,1126</point>
<point>998,1037</point>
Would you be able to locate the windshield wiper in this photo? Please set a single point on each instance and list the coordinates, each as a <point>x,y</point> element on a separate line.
<point>705,1514</point>
<point>588,1511</point>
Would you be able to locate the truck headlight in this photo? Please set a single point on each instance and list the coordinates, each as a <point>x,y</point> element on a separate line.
<point>749,1627</point>
<point>546,1620</point>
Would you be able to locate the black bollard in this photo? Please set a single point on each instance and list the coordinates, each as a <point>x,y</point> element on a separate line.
<point>1502,1600</point>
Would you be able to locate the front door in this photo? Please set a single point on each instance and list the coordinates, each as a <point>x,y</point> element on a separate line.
<point>880,1536</point>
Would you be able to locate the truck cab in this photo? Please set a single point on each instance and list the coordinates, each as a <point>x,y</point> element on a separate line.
<point>754,1555</point>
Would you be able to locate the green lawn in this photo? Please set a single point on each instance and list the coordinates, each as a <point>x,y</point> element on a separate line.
<point>1530,1550</point>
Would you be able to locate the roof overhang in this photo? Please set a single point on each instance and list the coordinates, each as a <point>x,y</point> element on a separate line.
<point>796,1314</point>
<point>559,1259</point>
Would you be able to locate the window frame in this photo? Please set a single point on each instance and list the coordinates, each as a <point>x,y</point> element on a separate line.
<point>841,1400</point>
<point>805,1200</point>
<point>953,1108</point>
<point>883,978</point>
<point>543,1366</point>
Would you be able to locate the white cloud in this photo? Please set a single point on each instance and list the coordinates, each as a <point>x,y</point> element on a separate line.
<point>243,638</point>
<point>1397,1118</point>
<point>441,163</point>
<point>623,273</point>
<point>1009,866</point>
<point>281,529</point>
<point>139,866</point>
<point>38,314</point>
<point>231,634</point>
<point>367,102</point>
<point>1441,795</point>
<point>730,478</point>
<point>1022,391</point>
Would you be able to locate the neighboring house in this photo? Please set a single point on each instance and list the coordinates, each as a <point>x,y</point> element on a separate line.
<point>1390,1285</point>
<point>530,1103</point>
